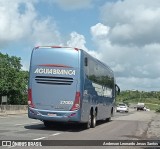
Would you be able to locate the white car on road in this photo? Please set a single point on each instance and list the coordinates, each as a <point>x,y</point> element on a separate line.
<point>122,107</point>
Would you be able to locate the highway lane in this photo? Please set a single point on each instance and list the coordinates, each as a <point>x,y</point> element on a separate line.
<point>132,125</point>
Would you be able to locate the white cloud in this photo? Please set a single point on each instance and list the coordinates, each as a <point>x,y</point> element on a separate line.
<point>131,46</point>
<point>78,41</point>
<point>19,20</point>
<point>45,33</point>
<point>73,4</point>
<point>118,68</point>
<point>132,21</point>
<point>143,84</point>
<point>99,30</point>
<point>13,25</point>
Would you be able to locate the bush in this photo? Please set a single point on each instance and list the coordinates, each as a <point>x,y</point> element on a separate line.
<point>158,109</point>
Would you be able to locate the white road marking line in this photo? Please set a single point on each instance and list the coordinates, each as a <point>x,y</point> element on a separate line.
<point>11,146</point>
<point>27,123</point>
<point>55,134</point>
<point>40,138</point>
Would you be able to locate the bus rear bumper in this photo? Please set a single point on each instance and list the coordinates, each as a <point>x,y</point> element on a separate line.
<point>58,116</point>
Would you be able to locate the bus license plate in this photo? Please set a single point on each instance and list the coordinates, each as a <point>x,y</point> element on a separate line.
<point>52,114</point>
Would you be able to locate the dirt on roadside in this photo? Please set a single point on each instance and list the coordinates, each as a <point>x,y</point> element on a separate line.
<point>154,127</point>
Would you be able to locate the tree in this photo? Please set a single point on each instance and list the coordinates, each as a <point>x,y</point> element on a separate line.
<point>13,81</point>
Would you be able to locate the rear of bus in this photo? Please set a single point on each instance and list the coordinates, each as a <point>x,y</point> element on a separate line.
<point>54,89</point>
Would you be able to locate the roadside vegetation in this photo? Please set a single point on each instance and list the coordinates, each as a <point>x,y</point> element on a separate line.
<point>13,80</point>
<point>151,99</point>
<point>158,109</point>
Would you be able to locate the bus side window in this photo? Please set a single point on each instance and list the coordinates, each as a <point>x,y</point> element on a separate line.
<point>86,61</point>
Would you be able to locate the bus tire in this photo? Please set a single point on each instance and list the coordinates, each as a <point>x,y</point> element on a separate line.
<point>93,121</point>
<point>88,124</point>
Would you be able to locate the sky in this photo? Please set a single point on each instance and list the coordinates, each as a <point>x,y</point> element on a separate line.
<point>124,34</point>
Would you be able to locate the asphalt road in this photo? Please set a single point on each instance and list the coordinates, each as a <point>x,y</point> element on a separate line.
<point>133,126</point>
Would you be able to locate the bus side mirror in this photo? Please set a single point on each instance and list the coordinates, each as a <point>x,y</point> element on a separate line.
<point>117,89</point>
<point>86,61</point>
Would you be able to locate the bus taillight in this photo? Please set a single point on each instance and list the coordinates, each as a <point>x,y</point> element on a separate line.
<point>30,102</point>
<point>76,104</point>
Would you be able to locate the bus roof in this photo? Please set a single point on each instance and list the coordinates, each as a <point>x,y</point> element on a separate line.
<point>37,47</point>
<point>77,49</point>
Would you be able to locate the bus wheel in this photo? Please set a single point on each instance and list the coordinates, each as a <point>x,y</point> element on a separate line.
<point>88,124</point>
<point>93,121</point>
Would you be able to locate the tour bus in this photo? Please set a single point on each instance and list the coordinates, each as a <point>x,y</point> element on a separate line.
<point>68,85</point>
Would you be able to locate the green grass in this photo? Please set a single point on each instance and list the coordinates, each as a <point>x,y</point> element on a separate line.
<point>151,106</point>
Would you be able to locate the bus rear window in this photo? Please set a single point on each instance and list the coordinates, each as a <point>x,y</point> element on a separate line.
<point>63,57</point>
